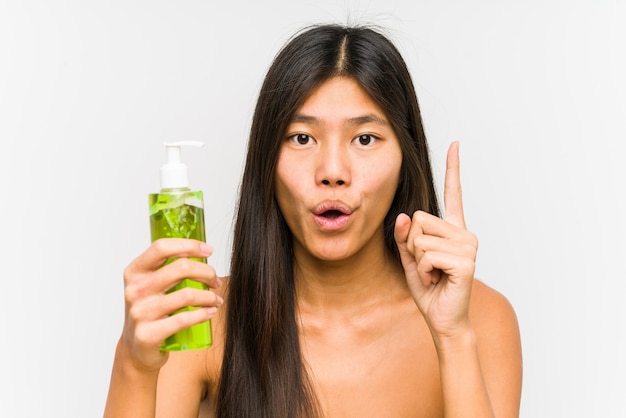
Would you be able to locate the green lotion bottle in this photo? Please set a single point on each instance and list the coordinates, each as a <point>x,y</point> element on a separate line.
<point>178,212</point>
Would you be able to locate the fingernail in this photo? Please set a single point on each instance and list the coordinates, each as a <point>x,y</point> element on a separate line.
<point>212,310</point>
<point>206,249</point>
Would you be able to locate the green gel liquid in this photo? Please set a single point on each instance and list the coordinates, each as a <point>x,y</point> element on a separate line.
<point>178,213</point>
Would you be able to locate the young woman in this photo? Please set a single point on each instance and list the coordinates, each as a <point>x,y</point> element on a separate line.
<point>349,295</point>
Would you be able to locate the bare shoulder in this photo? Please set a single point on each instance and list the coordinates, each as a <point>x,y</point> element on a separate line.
<point>495,323</point>
<point>499,346</point>
<point>181,384</point>
<point>491,309</point>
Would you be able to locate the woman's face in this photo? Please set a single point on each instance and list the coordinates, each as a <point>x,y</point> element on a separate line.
<point>337,172</point>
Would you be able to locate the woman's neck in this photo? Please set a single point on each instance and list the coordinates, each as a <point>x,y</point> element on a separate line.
<point>349,285</point>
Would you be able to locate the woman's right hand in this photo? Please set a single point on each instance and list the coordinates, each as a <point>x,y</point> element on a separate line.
<point>148,307</point>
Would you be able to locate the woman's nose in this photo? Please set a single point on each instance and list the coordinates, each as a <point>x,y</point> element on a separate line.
<point>333,166</point>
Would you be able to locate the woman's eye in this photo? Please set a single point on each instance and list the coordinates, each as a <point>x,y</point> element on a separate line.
<point>365,139</point>
<point>300,139</point>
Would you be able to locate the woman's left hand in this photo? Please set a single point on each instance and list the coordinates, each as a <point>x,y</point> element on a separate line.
<point>438,256</point>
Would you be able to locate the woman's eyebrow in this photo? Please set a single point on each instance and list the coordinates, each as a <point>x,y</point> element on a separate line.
<point>309,120</point>
<point>369,118</point>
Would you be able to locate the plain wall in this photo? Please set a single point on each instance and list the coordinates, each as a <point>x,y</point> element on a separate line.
<point>534,91</point>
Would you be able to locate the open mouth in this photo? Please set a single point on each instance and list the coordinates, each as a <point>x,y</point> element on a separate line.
<point>332,214</point>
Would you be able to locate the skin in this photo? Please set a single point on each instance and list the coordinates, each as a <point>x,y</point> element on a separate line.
<point>420,339</point>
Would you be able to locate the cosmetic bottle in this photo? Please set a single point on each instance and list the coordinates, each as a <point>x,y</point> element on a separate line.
<point>178,212</point>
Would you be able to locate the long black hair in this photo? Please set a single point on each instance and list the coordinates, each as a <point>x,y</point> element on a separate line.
<point>263,374</point>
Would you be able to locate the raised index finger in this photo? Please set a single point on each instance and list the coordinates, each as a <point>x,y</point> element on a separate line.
<point>452,196</point>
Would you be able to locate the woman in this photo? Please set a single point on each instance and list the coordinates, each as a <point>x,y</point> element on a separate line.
<point>339,303</point>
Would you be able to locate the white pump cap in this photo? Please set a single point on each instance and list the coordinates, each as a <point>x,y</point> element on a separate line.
<point>174,174</point>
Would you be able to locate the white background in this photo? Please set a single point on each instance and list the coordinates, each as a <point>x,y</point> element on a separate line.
<point>535,91</point>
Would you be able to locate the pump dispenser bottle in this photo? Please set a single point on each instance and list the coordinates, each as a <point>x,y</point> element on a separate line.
<point>178,212</point>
